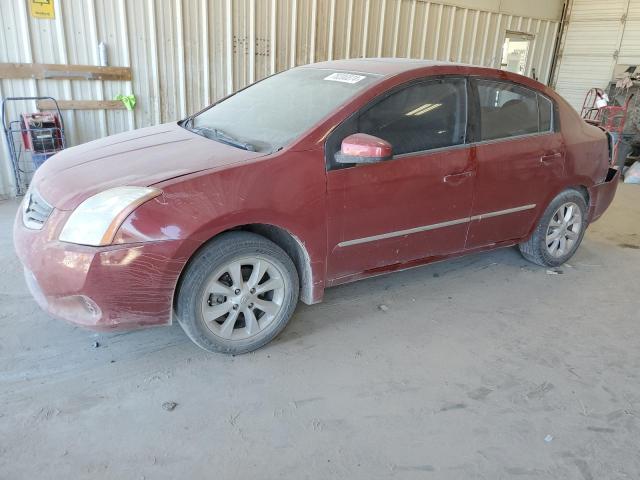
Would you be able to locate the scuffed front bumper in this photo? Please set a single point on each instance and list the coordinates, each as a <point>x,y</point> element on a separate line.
<point>601,195</point>
<point>102,288</point>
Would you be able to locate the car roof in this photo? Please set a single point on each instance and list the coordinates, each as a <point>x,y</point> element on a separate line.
<point>391,67</point>
<point>381,66</point>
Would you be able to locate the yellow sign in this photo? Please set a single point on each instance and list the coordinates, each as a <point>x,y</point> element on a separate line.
<point>42,9</point>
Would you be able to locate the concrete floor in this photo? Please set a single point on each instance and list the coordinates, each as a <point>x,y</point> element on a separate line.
<point>483,367</point>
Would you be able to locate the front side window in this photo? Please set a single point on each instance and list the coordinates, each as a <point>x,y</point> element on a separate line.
<point>420,117</point>
<point>506,110</point>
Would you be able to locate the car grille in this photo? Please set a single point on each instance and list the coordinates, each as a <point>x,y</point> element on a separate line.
<point>36,210</point>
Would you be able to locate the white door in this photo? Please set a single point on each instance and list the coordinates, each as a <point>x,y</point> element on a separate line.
<point>592,46</point>
<point>515,52</point>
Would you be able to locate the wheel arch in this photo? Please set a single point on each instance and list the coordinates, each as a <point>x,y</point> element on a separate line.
<point>578,187</point>
<point>290,243</point>
<point>295,248</point>
<point>584,191</point>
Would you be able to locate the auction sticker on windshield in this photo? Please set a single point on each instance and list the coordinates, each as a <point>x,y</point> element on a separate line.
<point>344,77</point>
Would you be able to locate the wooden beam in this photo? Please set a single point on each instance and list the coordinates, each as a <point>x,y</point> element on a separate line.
<point>81,105</point>
<point>46,71</point>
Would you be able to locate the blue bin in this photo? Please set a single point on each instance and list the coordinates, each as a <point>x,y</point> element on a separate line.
<point>39,158</point>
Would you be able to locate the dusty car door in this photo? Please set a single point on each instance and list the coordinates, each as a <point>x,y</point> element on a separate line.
<point>417,203</point>
<point>520,160</point>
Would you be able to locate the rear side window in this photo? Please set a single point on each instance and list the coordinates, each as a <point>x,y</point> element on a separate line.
<point>420,117</point>
<point>506,110</point>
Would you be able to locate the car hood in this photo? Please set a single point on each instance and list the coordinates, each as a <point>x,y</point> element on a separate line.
<point>140,158</point>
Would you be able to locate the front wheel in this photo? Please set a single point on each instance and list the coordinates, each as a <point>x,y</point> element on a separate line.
<point>559,232</point>
<point>237,293</point>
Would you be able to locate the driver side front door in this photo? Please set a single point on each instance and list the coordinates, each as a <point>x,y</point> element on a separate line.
<point>414,206</point>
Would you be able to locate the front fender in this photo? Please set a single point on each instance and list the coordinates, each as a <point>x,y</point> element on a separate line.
<point>287,193</point>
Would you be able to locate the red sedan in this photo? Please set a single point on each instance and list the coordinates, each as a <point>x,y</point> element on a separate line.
<point>316,176</point>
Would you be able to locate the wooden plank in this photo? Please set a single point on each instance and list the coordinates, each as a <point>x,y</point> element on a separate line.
<point>44,71</point>
<point>81,105</point>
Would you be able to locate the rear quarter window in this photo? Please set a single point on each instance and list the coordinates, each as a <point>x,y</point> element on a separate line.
<point>545,110</point>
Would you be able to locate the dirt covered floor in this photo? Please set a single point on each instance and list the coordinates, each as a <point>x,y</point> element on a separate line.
<point>483,367</point>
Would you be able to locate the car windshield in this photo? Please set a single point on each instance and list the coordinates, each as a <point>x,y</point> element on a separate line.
<point>274,112</point>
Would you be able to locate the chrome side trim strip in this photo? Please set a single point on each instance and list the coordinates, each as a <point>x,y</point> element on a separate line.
<point>401,233</point>
<point>503,212</point>
<point>425,228</point>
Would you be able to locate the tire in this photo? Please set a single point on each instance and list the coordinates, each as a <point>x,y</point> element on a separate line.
<point>220,297</point>
<point>553,228</point>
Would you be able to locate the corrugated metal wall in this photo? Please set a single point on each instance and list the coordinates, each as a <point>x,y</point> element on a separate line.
<point>185,54</point>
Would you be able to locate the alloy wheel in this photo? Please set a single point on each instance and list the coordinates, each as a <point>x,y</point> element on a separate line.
<point>243,297</point>
<point>564,229</point>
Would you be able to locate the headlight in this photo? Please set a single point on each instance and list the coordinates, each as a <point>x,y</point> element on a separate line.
<point>96,220</point>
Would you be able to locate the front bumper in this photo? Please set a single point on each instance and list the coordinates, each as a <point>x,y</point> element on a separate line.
<point>102,288</point>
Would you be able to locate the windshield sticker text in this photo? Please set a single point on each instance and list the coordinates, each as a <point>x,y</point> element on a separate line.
<point>344,77</point>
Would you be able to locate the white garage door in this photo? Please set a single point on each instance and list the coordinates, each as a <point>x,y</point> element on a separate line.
<point>599,36</point>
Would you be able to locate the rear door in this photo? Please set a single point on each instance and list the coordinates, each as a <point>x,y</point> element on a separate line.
<point>520,160</point>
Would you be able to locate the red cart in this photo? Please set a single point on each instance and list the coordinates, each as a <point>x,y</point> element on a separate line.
<point>31,139</point>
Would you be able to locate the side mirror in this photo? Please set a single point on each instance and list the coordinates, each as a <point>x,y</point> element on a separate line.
<point>363,148</point>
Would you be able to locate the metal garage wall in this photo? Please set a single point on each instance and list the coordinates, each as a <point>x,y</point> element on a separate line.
<point>598,36</point>
<point>186,54</point>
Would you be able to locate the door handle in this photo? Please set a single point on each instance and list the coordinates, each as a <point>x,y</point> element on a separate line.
<point>451,178</point>
<point>545,159</point>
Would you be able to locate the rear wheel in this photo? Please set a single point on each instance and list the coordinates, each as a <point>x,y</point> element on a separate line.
<point>559,232</point>
<point>237,293</point>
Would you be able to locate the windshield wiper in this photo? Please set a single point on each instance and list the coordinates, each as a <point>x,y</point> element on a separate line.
<point>219,135</point>
<point>186,123</point>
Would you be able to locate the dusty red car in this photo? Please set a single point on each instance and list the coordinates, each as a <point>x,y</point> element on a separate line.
<point>316,176</point>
